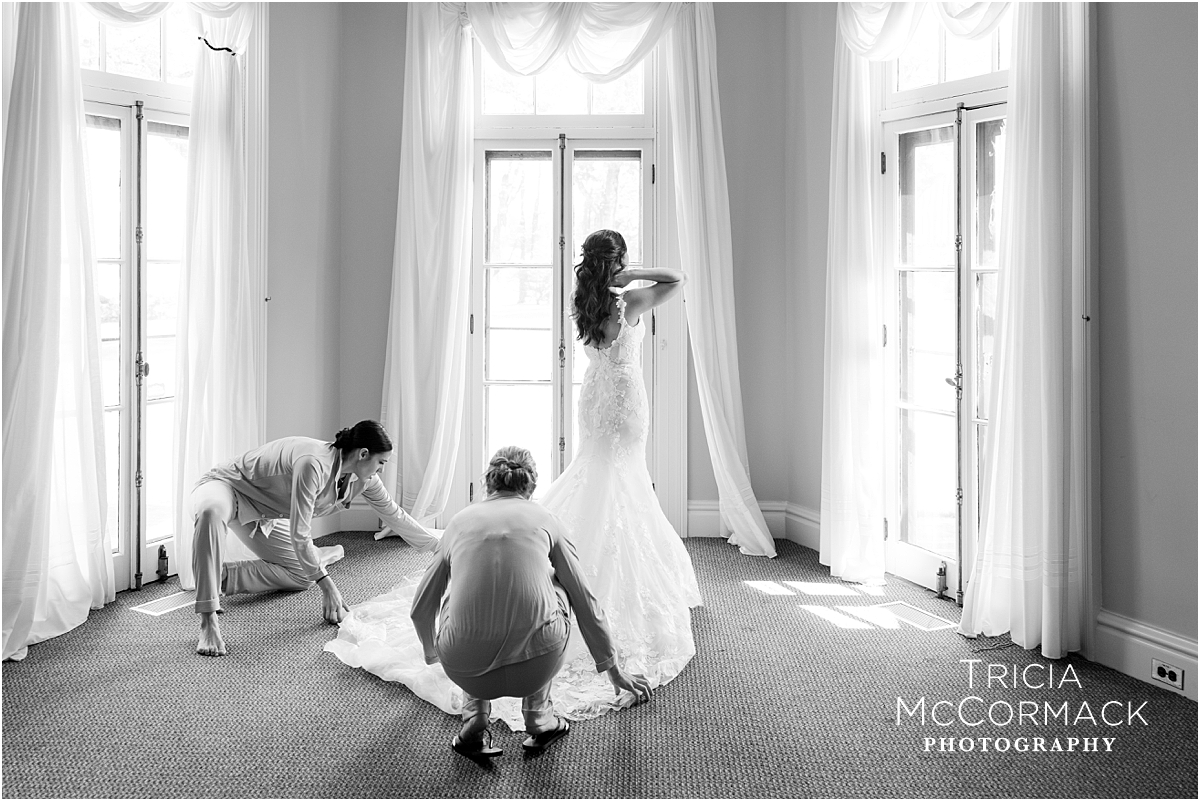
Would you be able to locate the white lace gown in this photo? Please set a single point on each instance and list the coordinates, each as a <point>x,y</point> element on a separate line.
<point>635,563</point>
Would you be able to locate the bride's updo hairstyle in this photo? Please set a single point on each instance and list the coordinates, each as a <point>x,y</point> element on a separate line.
<point>364,434</point>
<point>602,255</point>
<point>511,470</point>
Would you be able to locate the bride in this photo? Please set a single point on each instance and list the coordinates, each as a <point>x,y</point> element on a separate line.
<point>634,562</point>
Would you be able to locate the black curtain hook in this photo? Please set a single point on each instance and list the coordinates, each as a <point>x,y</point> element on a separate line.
<point>228,50</point>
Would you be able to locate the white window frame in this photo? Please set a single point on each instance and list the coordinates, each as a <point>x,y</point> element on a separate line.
<point>171,102</point>
<point>917,109</point>
<point>665,346</point>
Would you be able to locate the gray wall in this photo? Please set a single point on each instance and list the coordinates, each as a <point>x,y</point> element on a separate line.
<point>372,92</point>
<point>751,50</point>
<point>1147,107</point>
<point>809,102</point>
<point>303,196</point>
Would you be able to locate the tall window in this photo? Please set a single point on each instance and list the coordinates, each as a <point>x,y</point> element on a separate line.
<point>557,157</point>
<point>137,103</point>
<point>942,155</point>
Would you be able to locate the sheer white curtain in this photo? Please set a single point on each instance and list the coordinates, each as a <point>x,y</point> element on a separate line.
<point>602,41</point>
<point>1027,575</point>
<point>57,563</point>
<point>425,367</point>
<point>852,443</point>
<point>220,302</point>
<point>216,406</point>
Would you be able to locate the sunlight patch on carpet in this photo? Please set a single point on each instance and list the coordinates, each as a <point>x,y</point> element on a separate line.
<point>168,603</point>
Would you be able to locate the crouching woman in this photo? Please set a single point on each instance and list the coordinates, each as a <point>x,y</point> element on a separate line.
<point>502,628</point>
<point>293,479</point>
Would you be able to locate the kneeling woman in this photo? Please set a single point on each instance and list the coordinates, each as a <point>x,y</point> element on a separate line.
<point>502,631</point>
<point>294,478</point>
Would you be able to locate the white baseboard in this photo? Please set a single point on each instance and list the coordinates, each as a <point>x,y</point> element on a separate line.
<point>804,526</point>
<point>786,521</point>
<point>1128,645</point>
<point>359,517</point>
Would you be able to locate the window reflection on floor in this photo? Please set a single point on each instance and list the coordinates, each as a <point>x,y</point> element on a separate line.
<point>889,615</point>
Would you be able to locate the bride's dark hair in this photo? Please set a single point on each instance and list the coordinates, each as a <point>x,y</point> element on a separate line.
<point>602,255</point>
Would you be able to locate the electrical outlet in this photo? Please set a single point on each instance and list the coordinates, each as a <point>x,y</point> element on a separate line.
<point>1167,674</point>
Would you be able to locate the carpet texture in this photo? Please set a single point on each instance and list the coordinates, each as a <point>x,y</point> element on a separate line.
<point>787,697</point>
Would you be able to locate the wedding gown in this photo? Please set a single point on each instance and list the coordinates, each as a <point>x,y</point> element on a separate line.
<point>635,563</point>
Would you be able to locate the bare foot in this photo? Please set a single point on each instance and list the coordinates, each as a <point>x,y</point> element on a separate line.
<point>211,643</point>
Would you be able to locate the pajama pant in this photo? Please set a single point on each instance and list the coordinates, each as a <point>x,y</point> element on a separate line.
<point>529,680</point>
<point>214,509</point>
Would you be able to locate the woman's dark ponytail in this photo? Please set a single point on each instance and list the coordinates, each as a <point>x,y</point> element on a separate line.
<point>364,434</point>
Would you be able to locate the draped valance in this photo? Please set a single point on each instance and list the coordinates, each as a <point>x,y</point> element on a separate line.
<point>601,41</point>
<point>234,35</point>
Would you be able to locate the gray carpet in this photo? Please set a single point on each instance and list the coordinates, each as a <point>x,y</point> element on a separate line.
<point>778,702</point>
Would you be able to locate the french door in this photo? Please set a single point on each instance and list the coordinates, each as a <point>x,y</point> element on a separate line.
<point>137,179</point>
<point>942,203</point>
<point>536,200</point>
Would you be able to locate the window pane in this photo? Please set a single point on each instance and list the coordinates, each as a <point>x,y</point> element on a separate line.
<point>133,51</point>
<point>927,198</point>
<point>89,41</point>
<point>626,95</point>
<point>607,193</point>
<point>166,190</point>
<point>181,44</point>
<point>160,354</point>
<point>927,320</point>
<point>966,58</point>
<point>158,487</point>
<point>103,156</point>
<point>521,415</point>
<point>503,92</point>
<point>162,300</point>
<point>918,65</point>
<point>520,208</point>
<point>112,469</point>
<point>989,172</point>
<point>985,340</point>
<point>516,355</point>
<point>108,297</point>
<point>928,481</point>
<point>561,90</point>
<point>519,297</point>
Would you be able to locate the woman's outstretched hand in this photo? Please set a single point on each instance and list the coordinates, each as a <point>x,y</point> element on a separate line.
<point>631,682</point>
<point>333,606</point>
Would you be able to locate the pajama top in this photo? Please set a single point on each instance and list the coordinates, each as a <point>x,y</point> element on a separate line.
<point>297,478</point>
<point>513,579</point>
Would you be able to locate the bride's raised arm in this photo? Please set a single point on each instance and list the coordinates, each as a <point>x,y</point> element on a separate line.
<point>667,284</point>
